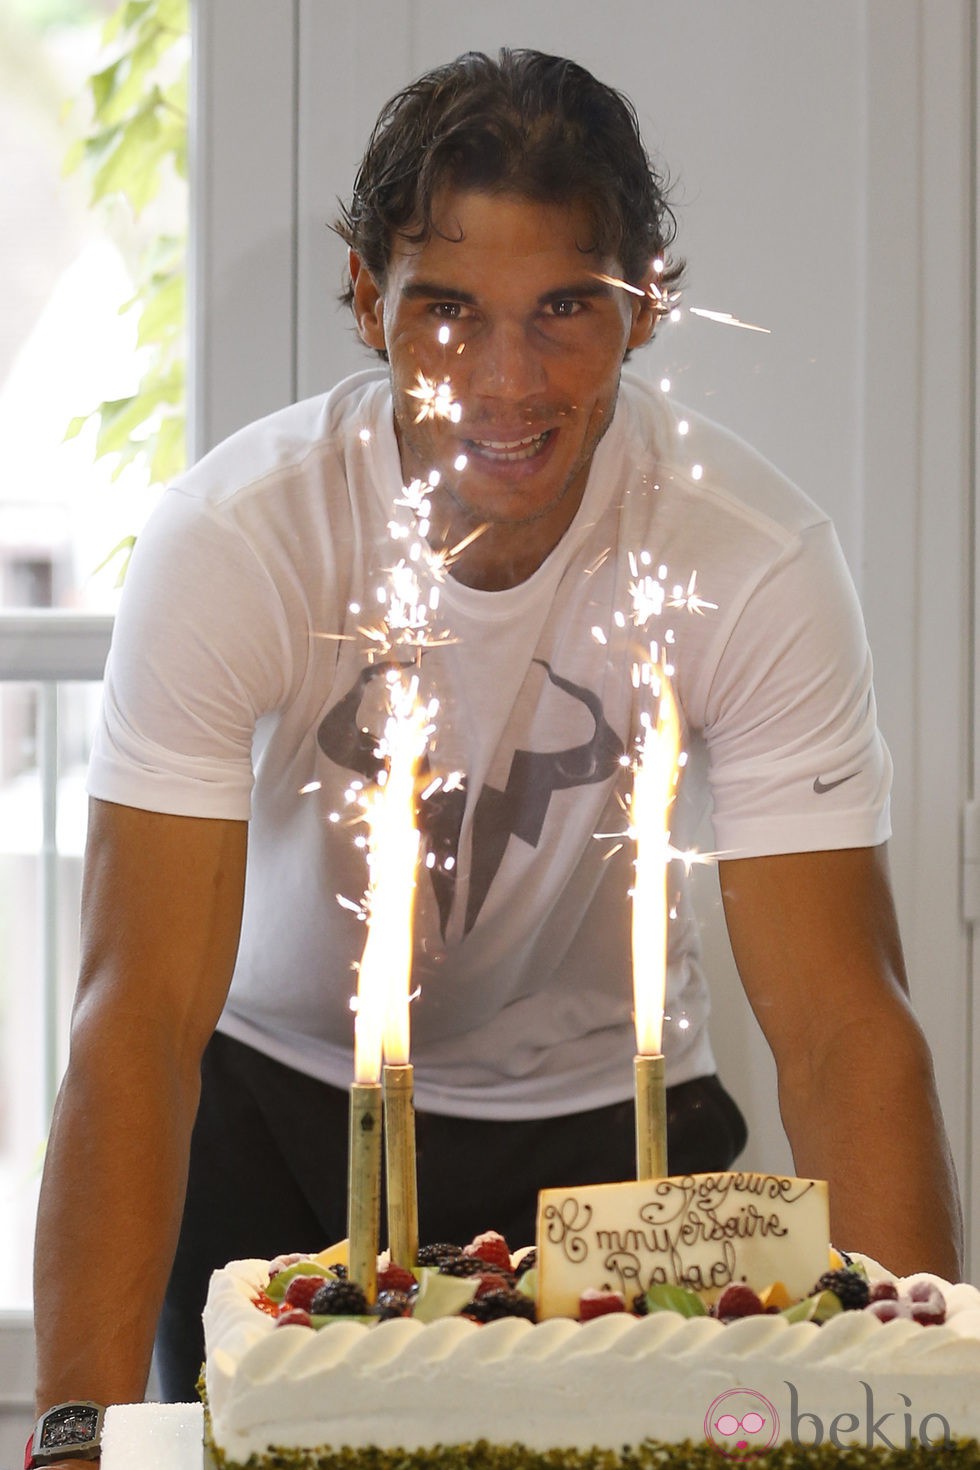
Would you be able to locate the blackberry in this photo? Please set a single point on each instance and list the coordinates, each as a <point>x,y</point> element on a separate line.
<point>339,1299</point>
<point>391,1304</point>
<point>463,1266</point>
<point>339,1270</point>
<point>639,1305</point>
<point>496,1304</point>
<point>437,1255</point>
<point>526,1263</point>
<point>850,1289</point>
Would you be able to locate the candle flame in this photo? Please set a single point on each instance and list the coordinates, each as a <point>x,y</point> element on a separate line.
<point>381,1023</point>
<point>654,788</point>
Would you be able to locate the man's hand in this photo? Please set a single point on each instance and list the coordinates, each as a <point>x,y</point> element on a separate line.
<point>161,914</point>
<point>816,943</point>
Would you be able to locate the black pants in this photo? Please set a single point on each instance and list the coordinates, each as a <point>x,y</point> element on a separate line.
<point>268,1173</point>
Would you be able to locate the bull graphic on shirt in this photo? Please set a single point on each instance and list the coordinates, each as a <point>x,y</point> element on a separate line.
<point>519,810</point>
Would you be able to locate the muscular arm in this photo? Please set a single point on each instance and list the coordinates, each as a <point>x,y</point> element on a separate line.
<point>161,915</point>
<point>816,943</point>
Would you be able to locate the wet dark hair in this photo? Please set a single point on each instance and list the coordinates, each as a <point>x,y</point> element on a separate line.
<point>525,123</point>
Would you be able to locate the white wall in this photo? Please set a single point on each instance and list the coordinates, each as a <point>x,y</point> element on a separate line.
<point>821,151</point>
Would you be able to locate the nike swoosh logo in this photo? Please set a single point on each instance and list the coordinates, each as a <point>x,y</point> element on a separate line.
<point>822,787</point>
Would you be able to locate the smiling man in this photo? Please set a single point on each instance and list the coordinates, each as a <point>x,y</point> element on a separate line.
<point>204,1113</point>
<point>539,341</point>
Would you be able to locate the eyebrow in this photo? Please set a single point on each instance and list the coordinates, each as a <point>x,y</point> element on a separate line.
<point>432,291</point>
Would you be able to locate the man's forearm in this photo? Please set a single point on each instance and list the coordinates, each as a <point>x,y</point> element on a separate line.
<point>866,1118</point>
<point>113,1186</point>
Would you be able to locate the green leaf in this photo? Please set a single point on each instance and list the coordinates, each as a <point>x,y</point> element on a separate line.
<point>102,86</point>
<point>174,14</point>
<point>170,450</point>
<point>664,1298</point>
<point>76,425</point>
<point>162,316</point>
<point>123,548</point>
<point>128,165</point>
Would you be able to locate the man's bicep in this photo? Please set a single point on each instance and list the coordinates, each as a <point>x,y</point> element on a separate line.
<point>161,915</point>
<point>816,941</point>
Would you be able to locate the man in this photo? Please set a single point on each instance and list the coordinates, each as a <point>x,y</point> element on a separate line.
<point>506,235</point>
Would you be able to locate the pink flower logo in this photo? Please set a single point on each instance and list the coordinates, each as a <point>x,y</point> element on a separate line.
<point>741,1422</point>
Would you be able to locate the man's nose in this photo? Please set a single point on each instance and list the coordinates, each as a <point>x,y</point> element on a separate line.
<point>505,365</point>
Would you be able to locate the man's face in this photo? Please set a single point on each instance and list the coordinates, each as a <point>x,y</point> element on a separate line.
<point>502,301</point>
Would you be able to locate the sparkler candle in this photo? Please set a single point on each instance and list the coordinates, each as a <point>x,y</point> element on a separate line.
<point>654,786</point>
<point>381,1026</point>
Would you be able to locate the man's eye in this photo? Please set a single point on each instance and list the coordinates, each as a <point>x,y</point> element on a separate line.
<point>448,311</point>
<point>565,307</point>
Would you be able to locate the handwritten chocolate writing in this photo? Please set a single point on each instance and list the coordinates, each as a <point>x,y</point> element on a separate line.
<point>564,1225</point>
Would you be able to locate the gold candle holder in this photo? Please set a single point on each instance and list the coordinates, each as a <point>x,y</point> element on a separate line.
<point>401,1178</point>
<point>651,1117</point>
<point>364,1186</point>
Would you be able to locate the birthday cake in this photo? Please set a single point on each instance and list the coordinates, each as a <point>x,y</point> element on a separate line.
<point>650,1364</point>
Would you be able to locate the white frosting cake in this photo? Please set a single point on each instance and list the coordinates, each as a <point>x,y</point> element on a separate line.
<point>614,1381</point>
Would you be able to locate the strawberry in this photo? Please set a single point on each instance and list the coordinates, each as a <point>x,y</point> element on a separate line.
<point>490,1247</point>
<point>737,1300</point>
<point>395,1278</point>
<point>594,1303</point>
<point>301,1291</point>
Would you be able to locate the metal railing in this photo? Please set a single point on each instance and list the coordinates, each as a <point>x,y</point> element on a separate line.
<point>49,647</point>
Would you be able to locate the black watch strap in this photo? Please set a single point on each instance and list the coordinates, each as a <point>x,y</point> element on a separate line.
<point>71,1431</point>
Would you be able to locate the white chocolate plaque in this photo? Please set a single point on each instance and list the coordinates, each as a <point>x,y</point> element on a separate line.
<point>702,1231</point>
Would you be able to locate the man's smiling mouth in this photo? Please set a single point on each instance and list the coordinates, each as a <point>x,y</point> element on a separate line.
<point>510,450</point>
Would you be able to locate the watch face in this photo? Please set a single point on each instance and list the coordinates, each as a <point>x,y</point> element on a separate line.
<point>68,1426</point>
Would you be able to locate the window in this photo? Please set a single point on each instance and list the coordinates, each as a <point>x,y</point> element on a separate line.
<point>66,269</point>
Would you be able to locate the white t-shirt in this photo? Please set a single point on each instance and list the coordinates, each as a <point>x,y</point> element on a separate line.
<point>239,685</point>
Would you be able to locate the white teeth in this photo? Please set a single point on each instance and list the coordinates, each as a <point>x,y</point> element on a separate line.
<point>511,449</point>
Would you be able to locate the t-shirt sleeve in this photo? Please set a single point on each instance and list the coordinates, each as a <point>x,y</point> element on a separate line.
<point>796,760</point>
<point>199,653</point>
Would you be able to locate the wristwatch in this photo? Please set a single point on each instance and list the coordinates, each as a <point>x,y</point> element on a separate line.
<point>71,1431</point>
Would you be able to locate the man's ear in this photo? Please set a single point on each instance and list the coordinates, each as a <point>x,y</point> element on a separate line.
<point>646,314</point>
<point>368,303</point>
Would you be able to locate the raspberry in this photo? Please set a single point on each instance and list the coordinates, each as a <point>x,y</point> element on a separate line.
<point>886,1310</point>
<point>490,1247</point>
<point>339,1299</point>
<point>850,1289</point>
<point>499,1304</point>
<point>594,1303</point>
<point>883,1291</point>
<point>295,1317</point>
<point>438,1255</point>
<point>737,1300</point>
<point>392,1304</point>
<point>396,1278</point>
<point>493,1281</point>
<point>301,1291</point>
<point>927,1302</point>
